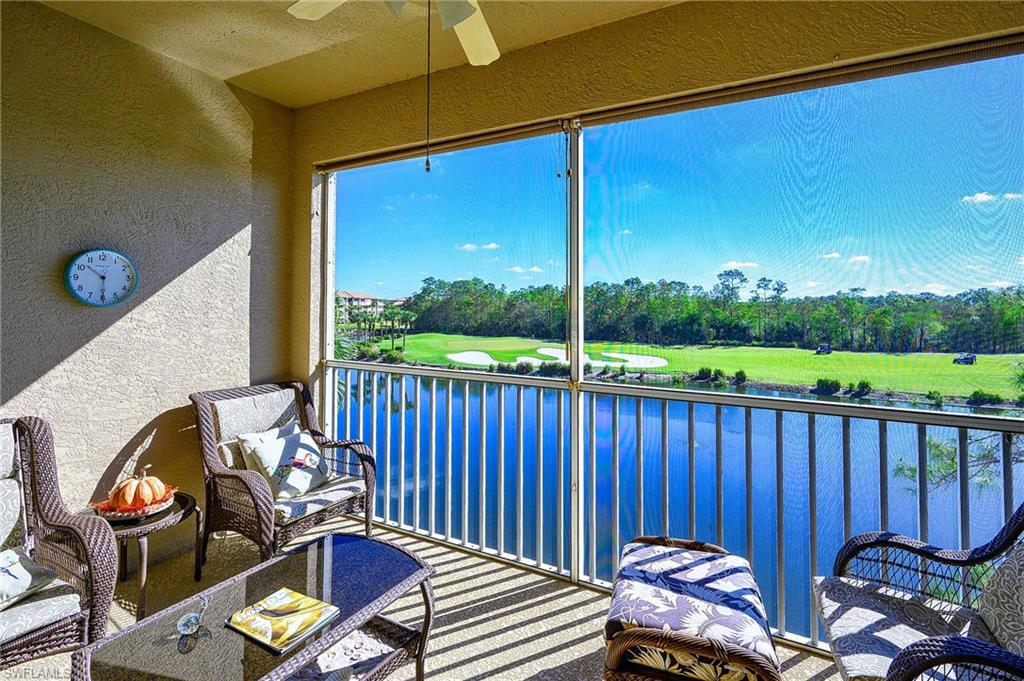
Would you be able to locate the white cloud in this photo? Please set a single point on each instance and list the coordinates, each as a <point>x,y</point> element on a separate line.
<point>1013,196</point>
<point>1021,261</point>
<point>1002,283</point>
<point>380,283</point>
<point>936,288</point>
<point>517,269</point>
<point>553,263</point>
<point>812,284</point>
<point>535,269</point>
<point>860,259</point>
<point>980,197</point>
<point>625,232</point>
<point>975,268</point>
<point>738,264</point>
<point>467,247</point>
<point>831,256</point>
<point>490,247</point>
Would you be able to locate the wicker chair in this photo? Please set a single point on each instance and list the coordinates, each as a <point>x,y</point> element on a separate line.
<point>241,500</point>
<point>72,610</point>
<point>900,609</point>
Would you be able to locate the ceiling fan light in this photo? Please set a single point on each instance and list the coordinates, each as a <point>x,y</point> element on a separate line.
<point>311,10</point>
<point>454,12</point>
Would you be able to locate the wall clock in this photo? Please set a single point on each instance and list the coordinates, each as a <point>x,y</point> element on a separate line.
<point>101,277</point>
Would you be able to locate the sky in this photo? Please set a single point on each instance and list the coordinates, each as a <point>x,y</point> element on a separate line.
<point>913,183</point>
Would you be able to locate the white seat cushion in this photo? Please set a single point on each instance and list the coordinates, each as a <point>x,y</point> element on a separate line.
<point>11,525</point>
<point>333,491</point>
<point>54,602</point>
<point>1002,601</point>
<point>868,625</point>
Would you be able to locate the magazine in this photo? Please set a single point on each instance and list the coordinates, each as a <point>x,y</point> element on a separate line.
<point>283,619</point>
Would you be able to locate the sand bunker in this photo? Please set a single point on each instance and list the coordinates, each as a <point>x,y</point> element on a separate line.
<point>629,361</point>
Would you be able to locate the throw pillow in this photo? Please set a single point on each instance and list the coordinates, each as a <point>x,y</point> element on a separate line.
<point>20,577</point>
<point>1002,601</point>
<point>247,441</point>
<point>293,465</point>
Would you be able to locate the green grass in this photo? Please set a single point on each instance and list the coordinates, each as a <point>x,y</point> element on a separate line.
<point>912,373</point>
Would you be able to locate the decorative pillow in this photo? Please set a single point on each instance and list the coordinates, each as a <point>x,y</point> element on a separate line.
<point>1002,601</point>
<point>8,460</point>
<point>239,450</point>
<point>293,465</point>
<point>20,577</point>
<point>10,514</point>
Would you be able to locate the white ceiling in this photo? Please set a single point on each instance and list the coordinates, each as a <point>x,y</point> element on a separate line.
<point>260,47</point>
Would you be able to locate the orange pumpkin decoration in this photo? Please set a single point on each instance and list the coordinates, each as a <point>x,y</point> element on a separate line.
<point>137,491</point>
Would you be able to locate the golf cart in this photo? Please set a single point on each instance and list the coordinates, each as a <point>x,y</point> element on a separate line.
<point>823,349</point>
<point>965,358</point>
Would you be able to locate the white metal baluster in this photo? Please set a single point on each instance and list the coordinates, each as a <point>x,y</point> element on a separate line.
<point>448,461</point>
<point>465,463</point>
<point>748,463</point>
<point>780,557</point>
<point>348,404</point>
<point>359,405</point>
<point>615,483</point>
<point>922,481</point>
<point>1008,505</point>
<point>373,433</point>
<point>432,466</point>
<point>664,469</point>
<point>482,514</point>
<point>401,449</point>
<point>560,481</point>
<point>592,484</point>
<point>883,475</point>
<point>639,466</point>
<point>812,524</point>
<point>416,451</point>
<point>501,469</point>
<point>519,473</point>
<point>847,482</point>
<point>691,471</point>
<point>719,492</point>
<point>539,539</point>
<point>387,447</point>
<point>965,491</point>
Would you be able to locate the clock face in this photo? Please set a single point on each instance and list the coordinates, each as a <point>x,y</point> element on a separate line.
<point>101,277</point>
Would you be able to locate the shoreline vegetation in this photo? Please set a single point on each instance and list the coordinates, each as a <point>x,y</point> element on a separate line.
<point>929,380</point>
<point>896,346</point>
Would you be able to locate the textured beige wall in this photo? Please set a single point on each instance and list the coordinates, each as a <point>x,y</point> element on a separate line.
<point>107,144</point>
<point>688,47</point>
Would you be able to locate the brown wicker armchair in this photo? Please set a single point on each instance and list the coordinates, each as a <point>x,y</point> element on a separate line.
<point>72,610</point>
<point>241,500</point>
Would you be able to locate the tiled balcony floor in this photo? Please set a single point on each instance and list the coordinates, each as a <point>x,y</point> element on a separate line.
<point>492,621</point>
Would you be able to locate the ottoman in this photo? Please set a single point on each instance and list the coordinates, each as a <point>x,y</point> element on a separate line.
<point>686,610</point>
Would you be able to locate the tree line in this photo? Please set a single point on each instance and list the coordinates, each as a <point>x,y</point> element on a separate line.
<point>676,313</point>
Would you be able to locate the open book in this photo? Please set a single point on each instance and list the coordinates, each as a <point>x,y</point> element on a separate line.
<point>283,619</point>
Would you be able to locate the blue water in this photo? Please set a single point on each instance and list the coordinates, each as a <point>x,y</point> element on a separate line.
<point>986,502</point>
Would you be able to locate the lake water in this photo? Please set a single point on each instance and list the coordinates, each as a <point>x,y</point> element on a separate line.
<point>986,502</point>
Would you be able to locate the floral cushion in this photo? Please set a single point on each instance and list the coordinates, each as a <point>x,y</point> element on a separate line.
<point>333,491</point>
<point>868,624</point>
<point>1002,601</point>
<point>708,595</point>
<point>54,602</point>
<point>11,526</point>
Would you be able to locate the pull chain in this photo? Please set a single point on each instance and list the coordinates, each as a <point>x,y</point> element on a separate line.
<point>427,165</point>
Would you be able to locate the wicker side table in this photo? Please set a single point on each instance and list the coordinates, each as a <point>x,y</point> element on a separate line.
<point>139,529</point>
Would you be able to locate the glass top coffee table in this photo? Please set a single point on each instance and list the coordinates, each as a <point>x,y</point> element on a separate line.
<point>359,575</point>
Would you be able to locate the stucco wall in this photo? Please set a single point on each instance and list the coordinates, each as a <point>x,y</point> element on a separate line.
<point>105,143</point>
<point>688,47</point>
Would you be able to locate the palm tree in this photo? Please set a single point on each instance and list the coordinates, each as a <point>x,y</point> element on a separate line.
<point>407,318</point>
<point>391,316</point>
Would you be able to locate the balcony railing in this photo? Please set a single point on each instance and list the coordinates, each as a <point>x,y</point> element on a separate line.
<point>485,461</point>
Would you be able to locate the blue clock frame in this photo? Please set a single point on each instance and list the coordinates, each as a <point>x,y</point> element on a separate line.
<point>69,285</point>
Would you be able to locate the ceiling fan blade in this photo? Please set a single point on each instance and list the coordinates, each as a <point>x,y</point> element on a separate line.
<point>396,6</point>
<point>475,36</point>
<point>454,12</point>
<point>311,10</point>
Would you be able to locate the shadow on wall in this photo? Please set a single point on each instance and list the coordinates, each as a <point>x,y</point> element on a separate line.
<point>106,144</point>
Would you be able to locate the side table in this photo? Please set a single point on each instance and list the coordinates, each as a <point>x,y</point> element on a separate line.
<point>181,508</point>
